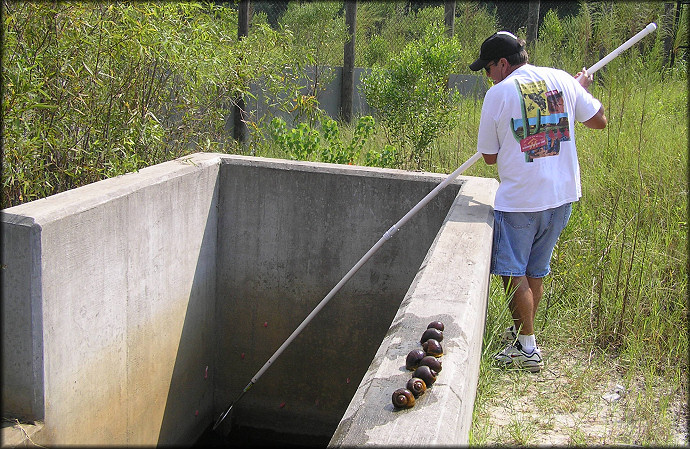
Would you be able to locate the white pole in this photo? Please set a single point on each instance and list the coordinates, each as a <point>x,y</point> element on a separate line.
<point>627,44</point>
<point>386,236</point>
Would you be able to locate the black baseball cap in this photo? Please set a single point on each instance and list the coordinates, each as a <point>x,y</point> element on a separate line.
<point>497,46</point>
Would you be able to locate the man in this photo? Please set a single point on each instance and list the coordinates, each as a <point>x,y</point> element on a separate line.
<point>539,175</point>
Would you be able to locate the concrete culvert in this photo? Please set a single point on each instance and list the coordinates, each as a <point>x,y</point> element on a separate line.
<point>134,308</point>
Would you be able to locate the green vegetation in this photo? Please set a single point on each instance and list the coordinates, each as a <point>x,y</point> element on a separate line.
<point>305,143</point>
<point>95,90</point>
<point>411,96</point>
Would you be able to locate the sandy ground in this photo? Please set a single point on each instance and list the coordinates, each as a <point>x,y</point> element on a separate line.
<point>573,402</point>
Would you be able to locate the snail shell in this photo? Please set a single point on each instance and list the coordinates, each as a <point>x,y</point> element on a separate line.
<point>432,333</point>
<point>413,359</point>
<point>432,362</point>
<point>426,374</point>
<point>436,325</point>
<point>403,398</point>
<point>432,347</point>
<point>417,386</point>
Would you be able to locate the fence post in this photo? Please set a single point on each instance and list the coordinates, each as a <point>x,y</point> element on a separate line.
<point>668,29</point>
<point>532,21</point>
<point>449,17</point>
<point>239,131</point>
<point>348,80</point>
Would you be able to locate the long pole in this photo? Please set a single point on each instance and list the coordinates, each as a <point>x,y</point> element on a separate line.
<point>395,228</point>
<point>624,46</point>
<point>386,236</point>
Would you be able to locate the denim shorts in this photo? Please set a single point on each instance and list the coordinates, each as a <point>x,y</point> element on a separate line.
<point>523,241</point>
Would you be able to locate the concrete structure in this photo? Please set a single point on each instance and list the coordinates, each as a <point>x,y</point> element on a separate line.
<point>136,308</point>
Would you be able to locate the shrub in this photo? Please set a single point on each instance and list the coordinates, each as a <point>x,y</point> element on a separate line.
<point>96,90</point>
<point>411,96</point>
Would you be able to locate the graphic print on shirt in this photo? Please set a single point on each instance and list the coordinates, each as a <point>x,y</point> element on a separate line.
<point>546,121</point>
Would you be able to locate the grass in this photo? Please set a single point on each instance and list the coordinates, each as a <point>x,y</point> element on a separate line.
<point>565,405</point>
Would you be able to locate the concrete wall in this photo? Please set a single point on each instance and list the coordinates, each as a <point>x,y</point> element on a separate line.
<point>328,94</point>
<point>135,309</point>
<point>22,330</point>
<point>107,298</point>
<point>452,287</point>
<point>287,238</point>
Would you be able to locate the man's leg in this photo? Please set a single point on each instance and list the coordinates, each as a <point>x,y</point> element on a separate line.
<point>524,296</point>
<point>537,287</point>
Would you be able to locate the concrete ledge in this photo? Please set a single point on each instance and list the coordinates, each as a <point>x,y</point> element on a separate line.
<point>451,286</point>
<point>101,287</point>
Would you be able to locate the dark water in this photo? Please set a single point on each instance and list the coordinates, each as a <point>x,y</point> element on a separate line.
<point>241,436</point>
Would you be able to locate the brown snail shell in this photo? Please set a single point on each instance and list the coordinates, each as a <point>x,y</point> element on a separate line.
<point>432,347</point>
<point>432,362</point>
<point>413,359</point>
<point>417,386</point>
<point>403,398</point>
<point>426,374</point>
<point>436,325</point>
<point>432,333</point>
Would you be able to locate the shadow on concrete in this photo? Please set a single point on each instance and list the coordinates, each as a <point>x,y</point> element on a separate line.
<point>189,405</point>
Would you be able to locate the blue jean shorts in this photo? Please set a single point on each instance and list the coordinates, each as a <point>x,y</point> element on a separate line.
<point>523,241</point>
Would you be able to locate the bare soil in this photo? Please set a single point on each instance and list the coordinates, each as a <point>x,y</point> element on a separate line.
<point>575,400</point>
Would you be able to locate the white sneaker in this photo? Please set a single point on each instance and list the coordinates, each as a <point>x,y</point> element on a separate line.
<point>514,357</point>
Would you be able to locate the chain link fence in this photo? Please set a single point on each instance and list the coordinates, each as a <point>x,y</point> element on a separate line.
<point>384,28</point>
<point>511,15</point>
<point>507,15</point>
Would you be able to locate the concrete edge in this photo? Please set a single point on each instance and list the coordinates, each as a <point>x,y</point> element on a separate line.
<point>355,170</point>
<point>91,195</point>
<point>451,286</point>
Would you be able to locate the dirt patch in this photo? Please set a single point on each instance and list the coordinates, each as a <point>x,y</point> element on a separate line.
<point>577,401</point>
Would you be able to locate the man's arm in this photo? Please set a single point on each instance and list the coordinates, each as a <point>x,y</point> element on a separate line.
<point>599,120</point>
<point>490,159</point>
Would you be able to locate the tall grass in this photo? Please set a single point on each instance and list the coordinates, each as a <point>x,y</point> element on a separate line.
<point>631,224</point>
<point>629,229</point>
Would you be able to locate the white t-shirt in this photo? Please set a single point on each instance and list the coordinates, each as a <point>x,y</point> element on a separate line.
<point>537,166</point>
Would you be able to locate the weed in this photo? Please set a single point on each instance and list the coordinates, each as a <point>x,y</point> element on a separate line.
<point>306,143</point>
<point>520,432</point>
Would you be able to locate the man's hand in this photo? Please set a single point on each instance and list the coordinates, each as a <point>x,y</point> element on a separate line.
<point>584,78</point>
